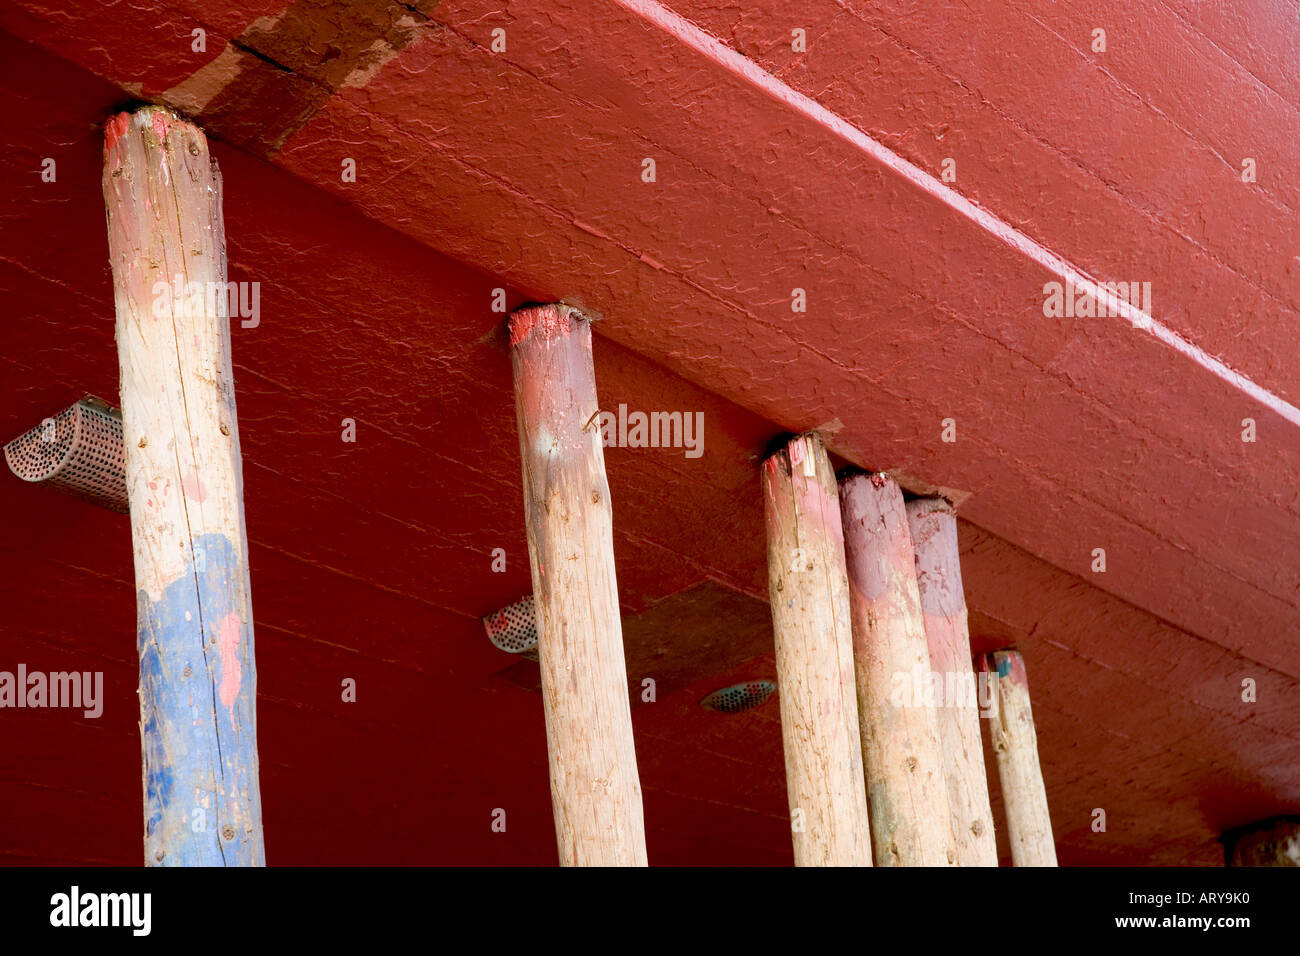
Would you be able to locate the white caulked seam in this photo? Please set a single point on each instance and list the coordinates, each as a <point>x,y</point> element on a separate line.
<point>738,64</point>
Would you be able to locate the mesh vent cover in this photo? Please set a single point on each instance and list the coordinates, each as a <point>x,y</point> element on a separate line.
<point>739,697</point>
<point>78,451</point>
<point>514,628</point>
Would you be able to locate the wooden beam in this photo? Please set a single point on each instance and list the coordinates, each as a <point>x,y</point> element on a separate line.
<point>943,604</point>
<point>911,823</point>
<point>1015,744</point>
<point>184,481</point>
<point>809,590</point>
<point>595,789</point>
<point>1273,842</point>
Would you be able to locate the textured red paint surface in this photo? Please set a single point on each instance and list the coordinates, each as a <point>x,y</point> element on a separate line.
<point>371,560</point>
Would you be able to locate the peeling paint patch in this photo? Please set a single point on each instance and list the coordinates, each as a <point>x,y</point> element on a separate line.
<point>114,129</point>
<point>228,647</point>
<point>193,488</point>
<point>160,125</point>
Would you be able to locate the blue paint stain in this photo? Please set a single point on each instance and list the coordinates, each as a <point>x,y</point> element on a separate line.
<point>158,786</point>
<point>1004,666</point>
<point>159,779</point>
<point>200,757</point>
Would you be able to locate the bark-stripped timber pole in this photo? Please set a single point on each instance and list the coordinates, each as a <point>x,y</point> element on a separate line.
<point>911,824</point>
<point>1274,842</point>
<point>1015,745</point>
<point>809,590</point>
<point>184,481</point>
<point>595,788</point>
<point>943,606</point>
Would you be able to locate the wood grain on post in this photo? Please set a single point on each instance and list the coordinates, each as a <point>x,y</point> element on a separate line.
<point>911,823</point>
<point>809,590</point>
<point>595,788</point>
<point>185,484</point>
<point>1015,745</point>
<point>943,604</point>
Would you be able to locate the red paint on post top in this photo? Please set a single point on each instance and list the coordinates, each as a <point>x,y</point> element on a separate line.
<point>933,526</point>
<point>875,516</point>
<point>160,125</point>
<point>114,130</point>
<point>811,503</point>
<point>548,320</point>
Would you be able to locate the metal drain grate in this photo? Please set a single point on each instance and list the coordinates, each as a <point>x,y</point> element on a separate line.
<point>514,628</point>
<point>78,451</point>
<point>739,697</point>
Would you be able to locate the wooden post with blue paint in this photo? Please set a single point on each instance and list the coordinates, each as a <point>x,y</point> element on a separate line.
<point>1015,745</point>
<point>595,786</point>
<point>198,725</point>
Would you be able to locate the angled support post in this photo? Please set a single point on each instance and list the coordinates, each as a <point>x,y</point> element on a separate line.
<point>1272,842</point>
<point>933,524</point>
<point>184,481</point>
<point>1015,745</point>
<point>809,592</point>
<point>911,824</point>
<point>595,787</point>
